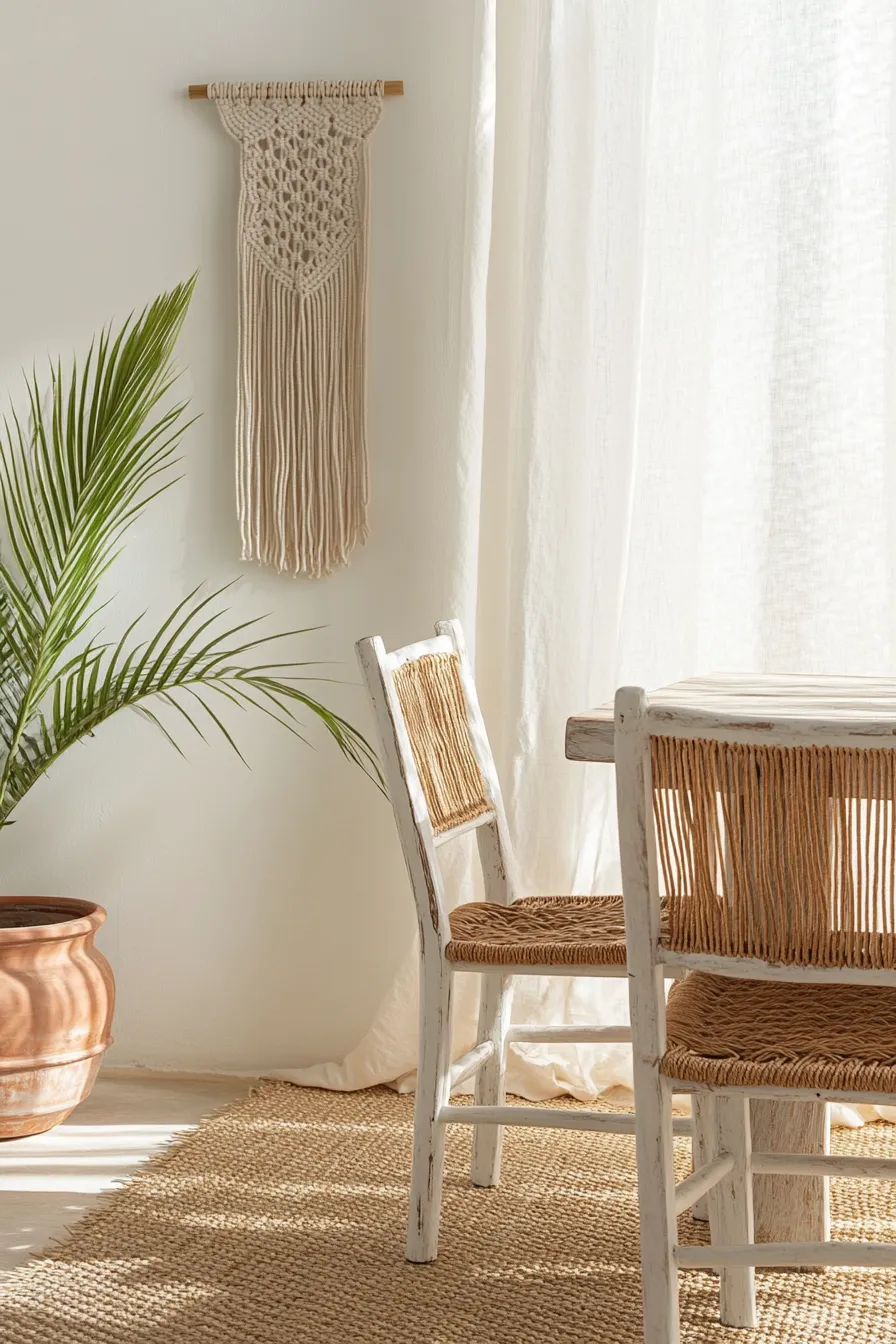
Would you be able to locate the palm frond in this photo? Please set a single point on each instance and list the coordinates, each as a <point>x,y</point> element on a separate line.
<point>74,477</point>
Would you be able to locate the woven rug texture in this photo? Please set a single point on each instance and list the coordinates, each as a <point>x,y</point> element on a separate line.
<point>281,1220</point>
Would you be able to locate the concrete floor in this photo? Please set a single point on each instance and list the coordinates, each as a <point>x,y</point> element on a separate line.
<point>48,1181</point>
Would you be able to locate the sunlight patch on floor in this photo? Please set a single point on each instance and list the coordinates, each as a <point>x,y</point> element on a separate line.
<point>48,1181</point>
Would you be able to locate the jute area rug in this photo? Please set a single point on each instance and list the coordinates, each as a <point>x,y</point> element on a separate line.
<point>281,1220</point>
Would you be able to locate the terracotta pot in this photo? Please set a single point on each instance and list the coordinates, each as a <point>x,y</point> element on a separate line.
<point>56,1000</point>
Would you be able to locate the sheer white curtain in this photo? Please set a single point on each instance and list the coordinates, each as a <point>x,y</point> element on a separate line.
<point>678,449</point>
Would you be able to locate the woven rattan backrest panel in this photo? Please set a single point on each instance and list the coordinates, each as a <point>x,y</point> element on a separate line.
<point>432,701</point>
<point>781,853</point>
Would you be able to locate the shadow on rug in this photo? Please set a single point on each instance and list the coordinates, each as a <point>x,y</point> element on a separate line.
<point>281,1220</point>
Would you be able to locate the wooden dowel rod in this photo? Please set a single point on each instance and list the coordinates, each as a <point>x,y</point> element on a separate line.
<point>695,1186</point>
<point>392,88</point>
<point>772,1255</point>
<point>571,1035</point>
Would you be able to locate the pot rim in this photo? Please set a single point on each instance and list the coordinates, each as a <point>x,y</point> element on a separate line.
<point>86,918</point>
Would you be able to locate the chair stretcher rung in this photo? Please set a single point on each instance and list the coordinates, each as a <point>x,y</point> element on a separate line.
<point>695,1186</point>
<point>568,971</point>
<point>570,1035</point>
<point>470,1062</point>
<point>543,1117</point>
<point>806,1164</point>
<point>873,1254</point>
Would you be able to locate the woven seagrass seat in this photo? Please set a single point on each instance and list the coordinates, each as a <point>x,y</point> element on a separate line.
<point>768,1033</point>
<point>540,931</point>
<point>767,824</point>
<point>444,787</point>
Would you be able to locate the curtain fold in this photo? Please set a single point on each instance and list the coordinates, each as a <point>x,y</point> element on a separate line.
<point>675,452</point>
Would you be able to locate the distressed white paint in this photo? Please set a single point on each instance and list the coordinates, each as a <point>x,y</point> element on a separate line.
<point>445,837</point>
<point>421,649</point>
<point>653,1109</point>
<point>433,1091</point>
<point>731,1210</point>
<point>539,1117</point>
<point>701,1181</point>
<point>748,968</point>
<point>434,1038</point>
<point>788,1094</point>
<point>778,1254</point>
<point>471,1062</point>
<point>569,1035</point>
<point>487,1059</point>
<point>494,1017</point>
<point>703,1110</point>
<point>811,1164</point>
<point>589,972</point>
<point>727,1178</point>
<point>827,711</point>
<point>407,797</point>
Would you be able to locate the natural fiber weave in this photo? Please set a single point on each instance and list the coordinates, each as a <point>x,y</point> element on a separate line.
<point>784,854</point>
<point>540,931</point>
<point>282,1222</point>
<point>301,389</point>
<point>762,1033</point>
<point>432,701</point>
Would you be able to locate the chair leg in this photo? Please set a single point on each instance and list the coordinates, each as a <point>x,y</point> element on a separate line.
<point>494,1016</point>
<point>731,1210</point>
<point>656,1200</point>
<point>433,1089</point>
<point>703,1143</point>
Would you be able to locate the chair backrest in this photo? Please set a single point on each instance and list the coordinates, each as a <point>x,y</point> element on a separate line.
<point>438,765</point>
<point>772,840</point>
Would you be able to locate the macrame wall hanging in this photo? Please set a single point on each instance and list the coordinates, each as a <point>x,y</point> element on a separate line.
<point>300,435</point>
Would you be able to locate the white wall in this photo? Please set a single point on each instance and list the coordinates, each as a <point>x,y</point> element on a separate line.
<point>242,925</point>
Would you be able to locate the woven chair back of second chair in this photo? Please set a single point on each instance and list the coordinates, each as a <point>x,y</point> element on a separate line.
<point>785,854</point>
<point>431,696</point>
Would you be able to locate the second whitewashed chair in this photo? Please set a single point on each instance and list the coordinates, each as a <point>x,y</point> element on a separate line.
<point>758,854</point>
<point>443,784</point>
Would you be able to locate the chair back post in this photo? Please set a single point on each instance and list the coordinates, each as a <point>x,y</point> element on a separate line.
<point>640,885</point>
<point>407,797</point>
<point>496,854</point>
<point>653,1106</point>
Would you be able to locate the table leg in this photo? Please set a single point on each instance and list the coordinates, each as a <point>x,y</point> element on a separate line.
<point>790,1208</point>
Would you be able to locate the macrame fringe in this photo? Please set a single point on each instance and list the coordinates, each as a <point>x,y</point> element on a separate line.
<point>302,488</point>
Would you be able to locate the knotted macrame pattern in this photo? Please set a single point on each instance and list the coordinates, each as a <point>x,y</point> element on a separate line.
<point>301,392</point>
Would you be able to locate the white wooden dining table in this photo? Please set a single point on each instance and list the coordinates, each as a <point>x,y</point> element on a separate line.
<point>787,1208</point>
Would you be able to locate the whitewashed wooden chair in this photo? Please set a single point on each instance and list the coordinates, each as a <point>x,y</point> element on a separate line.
<point>773,841</point>
<point>442,783</point>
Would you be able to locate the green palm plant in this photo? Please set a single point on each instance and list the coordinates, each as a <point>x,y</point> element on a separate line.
<point>100,443</point>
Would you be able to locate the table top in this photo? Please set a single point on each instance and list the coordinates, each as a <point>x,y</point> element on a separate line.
<point>589,735</point>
